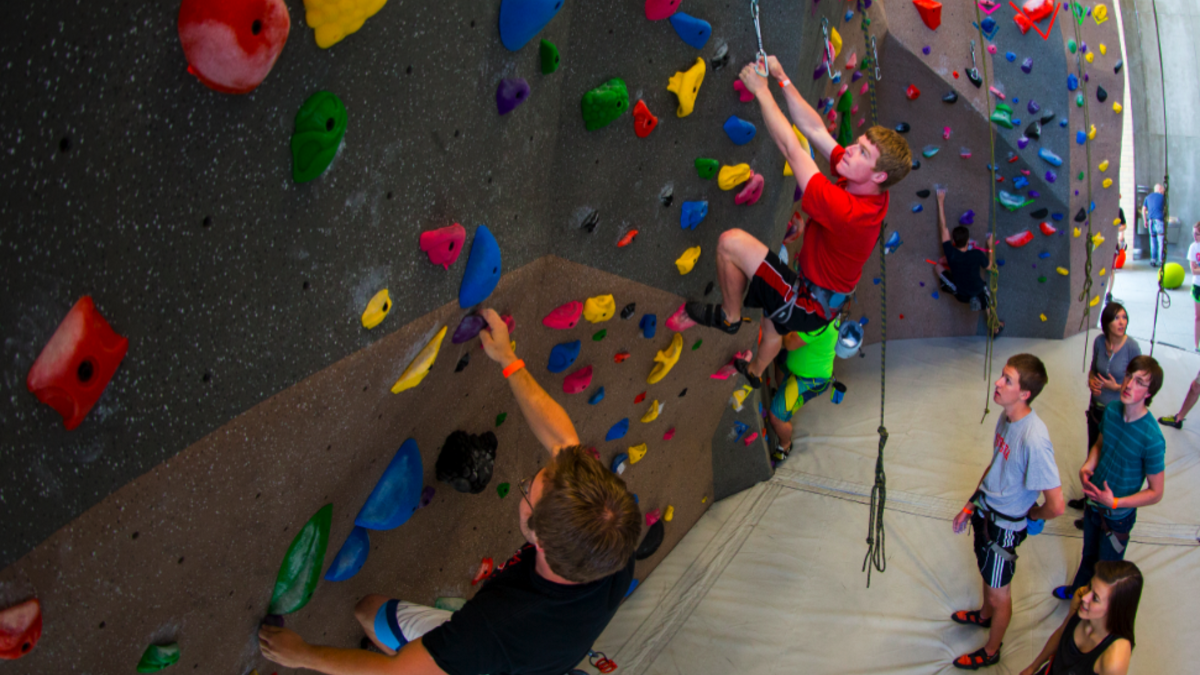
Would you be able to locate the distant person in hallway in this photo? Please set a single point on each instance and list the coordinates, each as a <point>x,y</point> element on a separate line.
<point>1152,215</point>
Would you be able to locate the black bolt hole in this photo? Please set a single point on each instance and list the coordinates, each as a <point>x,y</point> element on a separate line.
<point>207,221</point>
<point>329,124</point>
<point>386,306</point>
<point>451,246</point>
<point>85,371</point>
<point>26,647</point>
<point>256,27</point>
<point>65,144</point>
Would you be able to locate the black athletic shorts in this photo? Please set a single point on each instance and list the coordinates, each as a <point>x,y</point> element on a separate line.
<point>996,571</point>
<point>771,288</point>
<point>985,298</point>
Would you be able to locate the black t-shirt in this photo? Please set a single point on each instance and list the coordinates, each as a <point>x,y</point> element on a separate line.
<point>519,623</point>
<point>965,267</point>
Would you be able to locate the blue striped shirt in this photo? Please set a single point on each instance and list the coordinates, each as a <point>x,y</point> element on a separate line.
<point>1130,453</point>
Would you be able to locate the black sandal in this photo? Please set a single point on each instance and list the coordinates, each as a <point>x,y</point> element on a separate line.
<point>743,367</point>
<point>712,316</point>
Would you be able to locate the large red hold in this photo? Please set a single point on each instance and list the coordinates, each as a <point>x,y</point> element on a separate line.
<point>231,45</point>
<point>444,244</point>
<point>20,629</point>
<point>931,12</point>
<point>644,121</point>
<point>1047,228</point>
<point>1020,239</point>
<point>77,363</point>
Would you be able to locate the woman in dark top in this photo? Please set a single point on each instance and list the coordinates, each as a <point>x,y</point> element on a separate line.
<point>1097,637</point>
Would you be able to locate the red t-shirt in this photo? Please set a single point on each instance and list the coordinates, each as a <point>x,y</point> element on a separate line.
<point>842,230</point>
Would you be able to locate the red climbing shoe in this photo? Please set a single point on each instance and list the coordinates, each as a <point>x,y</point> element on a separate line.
<point>977,659</point>
<point>972,618</point>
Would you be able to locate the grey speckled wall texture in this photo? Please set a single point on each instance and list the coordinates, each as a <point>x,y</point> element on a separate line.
<point>174,208</point>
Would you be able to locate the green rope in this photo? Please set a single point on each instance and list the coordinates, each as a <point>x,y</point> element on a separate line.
<point>993,315</point>
<point>1162,299</point>
<point>1085,321</point>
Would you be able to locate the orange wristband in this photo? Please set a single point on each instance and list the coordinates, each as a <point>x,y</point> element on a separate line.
<point>968,510</point>
<point>1115,502</point>
<point>513,367</point>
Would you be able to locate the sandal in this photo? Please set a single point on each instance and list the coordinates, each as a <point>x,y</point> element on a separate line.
<point>971,618</point>
<point>977,659</point>
<point>743,367</point>
<point>712,316</point>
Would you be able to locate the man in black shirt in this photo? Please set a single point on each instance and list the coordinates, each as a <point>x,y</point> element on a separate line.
<point>540,613</point>
<point>964,265</point>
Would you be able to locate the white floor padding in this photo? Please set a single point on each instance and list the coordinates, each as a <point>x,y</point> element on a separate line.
<point>770,580</point>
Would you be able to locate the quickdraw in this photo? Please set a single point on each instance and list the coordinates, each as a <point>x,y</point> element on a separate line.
<point>760,59</point>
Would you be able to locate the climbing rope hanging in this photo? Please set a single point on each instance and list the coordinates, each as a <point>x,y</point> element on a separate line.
<point>1162,299</point>
<point>876,557</point>
<point>993,317</point>
<point>1085,320</point>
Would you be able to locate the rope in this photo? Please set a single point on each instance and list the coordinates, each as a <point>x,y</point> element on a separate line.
<point>876,557</point>
<point>1162,299</point>
<point>1085,321</point>
<point>993,316</point>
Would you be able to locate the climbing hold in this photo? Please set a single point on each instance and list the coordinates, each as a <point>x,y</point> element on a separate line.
<point>732,176</point>
<point>563,355</point>
<point>687,261</point>
<point>912,92</point>
<point>967,218</point>
<point>1033,107</point>
<point>1080,215</point>
<point>707,168</point>
<point>686,85</point>
<point>721,58</point>
<point>596,397</point>
<point>627,239</point>
<point>637,452</point>
<point>628,310</point>
<point>1079,100</point>
<point>1011,56</point>
<point>750,439</point>
<point>1106,183</point>
<point>1089,57</point>
<point>549,55</point>
<point>680,321</point>
<point>1072,82</point>
<point>466,461</point>
<point>332,20</point>
<point>1050,157</point>
<point>444,244</point>
<point>1100,15</point>
<point>20,629</point>
<point>1051,176</point>
<point>486,567</point>
<point>77,363</point>
<point>751,193</point>
<point>1101,94</point>
<point>510,93</point>
<point>1081,137</point>
<point>1062,270</point>
<point>1034,130</point>
<point>738,399</point>
<point>1047,228</point>
<point>521,20</point>
<point>599,308</point>
<point>468,328</point>
<point>1118,66</point>
<point>1002,115</point>
<point>1027,65</point>
<point>159,657</point>
<point>728,370</point>
<point>951,97</point>
<point>320,128</point>
<point>923,194</point>
<point>396,494</point>
<point>647,326</point>
<point>503,490</point>
<point>564,317</point>
<point>590,221</point>
<point>462,363</point>
<point>1047,117</point>
<point>603,104</point>
<point>421,364</point>
<point>652,413</point>
<point>599,335</point>
<point>660,9</point>
<point>1039,214</point>
<point>691,30</point>
<point>618,430</point>
<point>620,357</point>
<point>643,120</point>
<point>929,151</point>
<point>301,567</point>
<point>930,11</point>
<point>903,128</point>
<point>692,213</point>
<point>917,208</point>
<point>577,381</point>
<point>743,93</point>
<point>670,433</point>
<point>739,130</point>
<point>483,269</point>
<point>1072,46</point>
<point>666,360</point>
<point>1020,239</point>
<point>232,46</point>
<point>351,556</point>
<point>1103,166</point>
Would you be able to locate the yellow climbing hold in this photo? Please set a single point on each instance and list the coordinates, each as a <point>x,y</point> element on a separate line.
<point>1090,56</point>
<point>687,261</point>
<point>1099,15</point>
<point>1095,301</point>
<point>1116,222</point>
<point>1103,166</point>
<point>1103,271</point>
<point>804,145</point>
<point>669,514</point>
<point>836,40</point>
<point>1103,48</point>
<point>652,413</point>
<point>637,452</point>
<point>666,359</point>
<point>419,368</point>
<point>1107,183</point>
<point>733,176</point>
<point>377,309</point>
<point>738,400</point>
<point>704,499</point>
<point>1077,231</point>
<point>1042,317</point>
<point>1063,271</point>
<point>1097,239</point>
<point>1117,108</point>
<point>1092,131</point>
<point>686,86</point>
<point>599,308</point>
<point>332,20</point>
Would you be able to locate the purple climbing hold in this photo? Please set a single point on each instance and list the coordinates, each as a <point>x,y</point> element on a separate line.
<point>511,93</point>
<point>856,76</point>
<point>1033,107</point>
<point>427,495</point>
<point>926,50</point>
<point>468,328</point>
<point>967,218</point>
<point>820,71</point>
<point>1022,142</point>
<point>1027,65</point>
<point>1051,176</point>
<point>1034,193</point>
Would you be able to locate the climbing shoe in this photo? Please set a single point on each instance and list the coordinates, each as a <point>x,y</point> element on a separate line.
<point>1062,593</point>
<point>1170,421</point>
<point>779,455</point>
<point>977,659</point>
<point>976,304</point>
<point>743,367</point>
<point>712,316</point>
<point>971,618</point>
<point>1077,504</point>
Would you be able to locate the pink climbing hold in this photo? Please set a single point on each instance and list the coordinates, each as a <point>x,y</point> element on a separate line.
<point>577,381</point>
<point>680,321</point>
<point>670,434</point>
<point>653,517</point>
<point>851,61</point>
<point>1020,239</point>
<point>443,245</point>
<point>865,88</point>
<point>728,370</point>
<point>744,94</point>
<point>1047,228</point>
<point>656,10</point>
<point>750,439</point>
<point>752,191</point>
<point>945,133</point>
<point>564,317</point>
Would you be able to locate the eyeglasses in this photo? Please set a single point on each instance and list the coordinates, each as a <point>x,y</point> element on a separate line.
<point>526,487</point>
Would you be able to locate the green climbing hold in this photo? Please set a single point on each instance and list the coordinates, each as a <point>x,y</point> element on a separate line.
<point>158,657</point>
<point>1080,175</point>
<point>503,488</point>
<point>1041,280</point>
<point>600,335</point>
<point>320,128</point>
<point>697,345</point>
<point>1003,115</point>
<point>845,134</point>
<point>1011,201</point>
<point>707,168</point>
<point>1072,46</point>
<point>1079,100</point>
<point>604,104</point>
<point>500,418</point>
<point>301,567</point>
<point>549,57</point>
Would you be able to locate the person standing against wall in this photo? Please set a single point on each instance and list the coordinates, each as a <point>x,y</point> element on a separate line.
<point>1152,215</point>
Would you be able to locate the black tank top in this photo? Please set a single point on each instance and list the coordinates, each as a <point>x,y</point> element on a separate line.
<point>1068,660</point>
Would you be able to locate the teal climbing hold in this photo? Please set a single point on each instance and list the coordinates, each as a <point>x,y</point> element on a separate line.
<point>550,58</point>
<point>691,30</point>
<point>320,128</point>
<point>397,493</point>
<point>483,269</point>
<point>563,355</point>
<point>521,20</point>
<point>301,567</point>
<point>604,104</point>
<point>351,556</point>
<point>707,168</point>
<point>617,430</point>
<point>158,657</point>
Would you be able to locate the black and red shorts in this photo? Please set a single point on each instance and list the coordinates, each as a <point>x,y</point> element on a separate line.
<point>773,286</point>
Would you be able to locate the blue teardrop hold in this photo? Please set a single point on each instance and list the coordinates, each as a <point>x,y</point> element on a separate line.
<point>483,269</point>
<point>521,20</point>
<point>691,30</point>
<point>398,492</point>
<point>563,355</point>
<point>739,130</point>
<point>618,430</point>
<point>596,397</point>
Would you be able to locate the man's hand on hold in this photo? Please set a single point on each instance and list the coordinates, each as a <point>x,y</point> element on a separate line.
<point>753,81</point>
<point>496,342</point>
<point>282,646</point>
<point>775,69</point>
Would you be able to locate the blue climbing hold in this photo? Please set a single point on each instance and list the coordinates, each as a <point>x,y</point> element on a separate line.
<point>632,585</point>
<point>893,242</point>
<point>596,397</point>
<point>849,15</point>
<point>917,208</point>
<point>563,355</point>
<point>740,428</point>
<point>989,27</point>
<point>1057,216</point>
<point>1081,137</point>
<point>483,269</point>
<point>1044,255</point>
<point>619,464</point>
<point>1045,154</point>
<point>1026,67</point>
<point>1020,182</point>
<point>739,130</point>
<point>692,214</point>
<point>521,20</point>
<point>1011,56</point>
<point>618,430</point>
<point>1063,122</point>
<point>1072,82</point>
<point>398,492</point>
<point>351,556</point>
<point>648,325</point>
<point>691,30</point>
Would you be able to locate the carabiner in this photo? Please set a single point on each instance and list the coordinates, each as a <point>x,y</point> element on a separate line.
<point>760,59</point>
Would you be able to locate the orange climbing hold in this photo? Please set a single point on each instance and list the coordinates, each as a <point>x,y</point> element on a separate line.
<point>486,566</point>
<point>620,356</point>
<point>627,239</point>
<point>20,629</point>
<point>931,12</point>
<point>644,121</point>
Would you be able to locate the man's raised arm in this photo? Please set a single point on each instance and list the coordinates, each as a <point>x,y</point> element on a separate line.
<point>779,127</point>
<point>803,115</point>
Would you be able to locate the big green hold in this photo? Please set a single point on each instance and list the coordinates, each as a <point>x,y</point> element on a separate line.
<point>845,134</point>
<point>707,168</point>
<point>549,57</point>
<point>605,103</point>
<point>158,657</point>
<point>320,128</point>
<point>1003,115</point>
<point>301,567</point>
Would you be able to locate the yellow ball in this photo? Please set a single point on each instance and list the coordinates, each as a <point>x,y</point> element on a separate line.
<point>1172,275</point>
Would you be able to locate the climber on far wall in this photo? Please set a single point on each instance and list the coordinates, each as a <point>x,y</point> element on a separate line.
<point>542,611</point>
<point>843,225</point>
<point>959,273</point>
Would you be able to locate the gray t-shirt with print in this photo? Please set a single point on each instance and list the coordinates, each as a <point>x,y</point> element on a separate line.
<point>1022,466</point>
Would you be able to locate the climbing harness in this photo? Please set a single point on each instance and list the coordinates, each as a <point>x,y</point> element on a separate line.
<point>995,517</point>
<point>993,316</point>
<point>760,59</point>
<point>876,556</point>
<point>1162,299</point>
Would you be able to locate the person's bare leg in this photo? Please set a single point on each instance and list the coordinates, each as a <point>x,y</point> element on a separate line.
<point>999,601</point>
<point>1197,327</point>
<point>771,343</point>
<point>365,612</point>
<point>1189,400</point>
<point>783,430</point>
<point>738,256</point>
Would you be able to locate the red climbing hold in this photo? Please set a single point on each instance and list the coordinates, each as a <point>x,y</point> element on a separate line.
<point>1037,10</point>
<point>1020,239</point>
<point>444,245</point>
<point>620,356</point>
<point>670,434</point>
<point>751,192</point>
<point>680,321</point>
<point>20,629</point>
<point>644,121</point>
<point>931,12</point>
<point>627,239</point>
<point>660,9</point>
<point>1047,228</point>
<point>76,364</point>
<point>578,380</point>
<point>1022,22</point>
<point>564,317</point>
<point>231,45</point>
<point>912,92</point>
<point>640,397</point>
<point>486,566</point>
<point>744,94</point>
